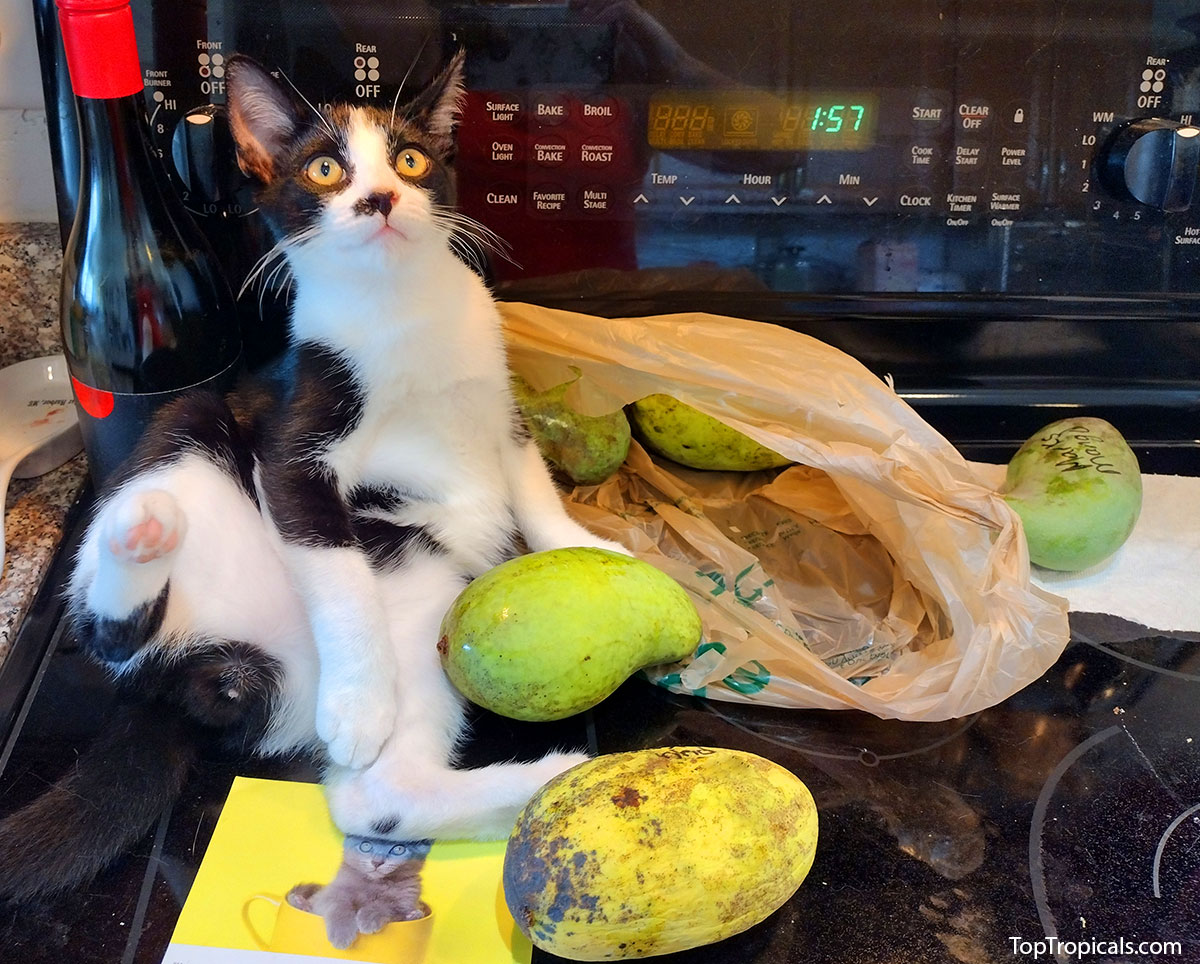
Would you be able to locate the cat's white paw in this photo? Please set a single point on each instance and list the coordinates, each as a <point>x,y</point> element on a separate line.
<point>355,721</point>
<point>142,526</point>
<point>552,764</point>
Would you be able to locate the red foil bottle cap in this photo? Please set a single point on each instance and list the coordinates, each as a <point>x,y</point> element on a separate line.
<point>101,47</point>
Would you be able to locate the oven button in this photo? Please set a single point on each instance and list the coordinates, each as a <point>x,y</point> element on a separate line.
<point>503,197</point>
<point>548,199</point>
<point>1154,161</point>
<point>548,153</point>
<point>549,109</point>
<point>598,110</point>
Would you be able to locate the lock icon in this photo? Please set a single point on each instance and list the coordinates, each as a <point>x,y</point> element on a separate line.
<point>1019,116</point>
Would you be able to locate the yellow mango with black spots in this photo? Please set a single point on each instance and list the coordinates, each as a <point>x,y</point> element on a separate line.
<point>655,851</point>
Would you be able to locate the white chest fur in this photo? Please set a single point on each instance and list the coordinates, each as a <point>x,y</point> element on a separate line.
<point>430,362</point>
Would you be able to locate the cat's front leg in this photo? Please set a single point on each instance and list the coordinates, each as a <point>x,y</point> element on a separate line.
<point>301,896</point>
<point>537,505</point>
<point>356,691</point>
<point>356,694</point>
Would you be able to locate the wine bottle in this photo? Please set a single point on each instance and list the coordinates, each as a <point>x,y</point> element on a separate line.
<point>146,312</point>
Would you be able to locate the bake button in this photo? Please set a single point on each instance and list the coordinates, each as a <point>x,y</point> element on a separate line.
<point>598,110</point>
<point>549,109</point>
<point>596,153</point>
<point>548,199</point>
<point>503,197</point>
<point>505,152</point>
<point>595,199</point>
<point>549,153</point>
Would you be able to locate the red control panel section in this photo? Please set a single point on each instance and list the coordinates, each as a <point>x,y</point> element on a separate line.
<point>554,173</point>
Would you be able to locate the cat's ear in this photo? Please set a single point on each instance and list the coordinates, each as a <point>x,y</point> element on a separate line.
<point>436,109</point>
<point>263,114</point>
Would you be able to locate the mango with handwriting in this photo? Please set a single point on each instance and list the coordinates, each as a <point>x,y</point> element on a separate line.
<point>550,634</point>
<point>655,851</point>
<point>689,437</point>
<point>1077,487</point>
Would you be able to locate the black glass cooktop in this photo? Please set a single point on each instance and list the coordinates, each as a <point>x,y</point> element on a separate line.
<point>1070,811</point>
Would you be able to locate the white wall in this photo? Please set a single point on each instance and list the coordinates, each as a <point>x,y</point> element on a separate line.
<point>26,181</point>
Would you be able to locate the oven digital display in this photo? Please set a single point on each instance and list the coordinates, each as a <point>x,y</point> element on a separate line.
<point>758,121</point>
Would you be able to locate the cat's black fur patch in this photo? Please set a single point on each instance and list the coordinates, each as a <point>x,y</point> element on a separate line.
<point>385,827</point>
<point>323,403</point>
<point>116,640</point>
<point>376,498</point>
<point>224,686</point>
<point>386,543</point>
<point>199,422</point>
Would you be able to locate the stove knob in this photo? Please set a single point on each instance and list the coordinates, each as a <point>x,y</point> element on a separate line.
<point>1153,160</point>
<point>205,156</point>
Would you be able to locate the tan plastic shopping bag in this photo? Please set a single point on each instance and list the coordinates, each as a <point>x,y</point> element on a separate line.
<point>878,573</point>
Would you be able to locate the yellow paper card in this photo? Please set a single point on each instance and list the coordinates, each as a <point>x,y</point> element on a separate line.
<point>273,834</point>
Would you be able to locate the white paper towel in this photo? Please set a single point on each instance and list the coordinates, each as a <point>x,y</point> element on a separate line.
<point>1152,579</point>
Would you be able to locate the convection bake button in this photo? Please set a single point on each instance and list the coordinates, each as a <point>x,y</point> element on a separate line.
<point>548,153</point>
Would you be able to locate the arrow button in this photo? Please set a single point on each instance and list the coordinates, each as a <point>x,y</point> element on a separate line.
<point>687,200</point>
<point>641,199</point>
<point>778,200</point>
<point>870,201</point>
<point>733,199</point>
<point>824,199</point>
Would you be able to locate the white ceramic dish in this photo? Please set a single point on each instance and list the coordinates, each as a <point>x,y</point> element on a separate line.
<point>39,430</point>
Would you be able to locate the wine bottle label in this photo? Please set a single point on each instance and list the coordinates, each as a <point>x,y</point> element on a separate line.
<point>112,422</point>
<point>101,48</point>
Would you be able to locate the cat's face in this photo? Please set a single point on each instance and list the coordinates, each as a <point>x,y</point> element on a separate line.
<point>376,858</point>
<point>358,184</point>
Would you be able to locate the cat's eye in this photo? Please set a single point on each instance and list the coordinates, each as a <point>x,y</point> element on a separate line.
<point>412,163</point>
<point>324,170</point>
<point>364,847</point>
<point>397,851</point>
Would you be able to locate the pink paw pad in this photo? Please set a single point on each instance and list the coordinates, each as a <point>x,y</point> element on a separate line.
<point>154,536</point>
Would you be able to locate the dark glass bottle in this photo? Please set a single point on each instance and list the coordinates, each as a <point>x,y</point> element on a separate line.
<point>146,313</point>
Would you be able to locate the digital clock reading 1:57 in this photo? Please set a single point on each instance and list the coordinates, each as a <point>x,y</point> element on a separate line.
<point>757,120</point>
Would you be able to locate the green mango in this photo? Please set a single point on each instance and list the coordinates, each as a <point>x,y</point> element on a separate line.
<point>1077,487</point>
<point>586,448</point>
<point>688,436</point>
<point>549,634</point>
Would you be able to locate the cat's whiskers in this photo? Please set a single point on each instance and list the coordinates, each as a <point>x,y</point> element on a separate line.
<point>458,227</point>
<point>277,253</point>
<point>324,121</point>
<point>404,80</point>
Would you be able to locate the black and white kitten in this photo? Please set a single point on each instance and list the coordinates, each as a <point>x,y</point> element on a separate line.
<point>378,882</point>
<point>321,521</point>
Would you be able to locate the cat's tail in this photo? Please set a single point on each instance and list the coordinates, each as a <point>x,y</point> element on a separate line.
<point>133,770</point>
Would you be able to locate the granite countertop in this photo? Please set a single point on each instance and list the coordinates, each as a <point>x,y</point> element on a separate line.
<point>34,509</point>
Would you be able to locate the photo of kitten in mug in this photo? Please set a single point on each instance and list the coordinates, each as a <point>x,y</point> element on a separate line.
<point>379,882</point>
